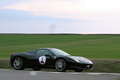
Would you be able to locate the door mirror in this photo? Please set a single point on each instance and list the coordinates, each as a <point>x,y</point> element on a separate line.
<point>48,56</point>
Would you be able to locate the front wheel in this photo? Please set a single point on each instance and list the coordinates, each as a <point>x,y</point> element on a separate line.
<point>78,70</point>
<point>60,65</point>
<point>18,63</point>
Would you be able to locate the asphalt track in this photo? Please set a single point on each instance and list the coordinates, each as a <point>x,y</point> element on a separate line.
<point>9,74</point>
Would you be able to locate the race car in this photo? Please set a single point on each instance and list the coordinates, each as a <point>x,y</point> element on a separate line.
<point>49,58</point>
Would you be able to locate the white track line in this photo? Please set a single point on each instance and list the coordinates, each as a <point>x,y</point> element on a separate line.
<point>97,73</point>
<point>33,73</point>
<point>74,73</point>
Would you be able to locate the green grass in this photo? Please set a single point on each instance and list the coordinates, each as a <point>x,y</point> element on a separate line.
<point>90,46</point>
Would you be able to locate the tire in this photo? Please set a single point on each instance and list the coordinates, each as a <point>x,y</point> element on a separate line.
<point>60,65</point>
<point>78,70</point>
<point>18,63</point>
<point>36,69</point>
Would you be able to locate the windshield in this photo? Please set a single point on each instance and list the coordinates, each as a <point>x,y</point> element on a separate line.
<point>58,52</point>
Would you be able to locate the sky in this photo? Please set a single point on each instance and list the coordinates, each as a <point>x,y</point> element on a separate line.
<point>60,16</point>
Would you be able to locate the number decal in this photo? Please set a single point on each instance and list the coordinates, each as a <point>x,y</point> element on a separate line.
<point>42,60</point>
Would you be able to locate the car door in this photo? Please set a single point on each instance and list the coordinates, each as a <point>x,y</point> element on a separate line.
<point>45,58</point>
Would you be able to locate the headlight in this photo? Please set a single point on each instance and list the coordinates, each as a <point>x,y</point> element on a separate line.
<point>77,60</point>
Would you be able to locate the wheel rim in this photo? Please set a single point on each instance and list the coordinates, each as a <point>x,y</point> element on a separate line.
<point>18,63</point>
<point>60,65</point>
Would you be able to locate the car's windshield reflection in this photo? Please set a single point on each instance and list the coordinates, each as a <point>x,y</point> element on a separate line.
<point>58,52</point>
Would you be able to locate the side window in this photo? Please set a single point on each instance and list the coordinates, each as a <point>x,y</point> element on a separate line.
<point>43,52</point>
<point>40,52</point>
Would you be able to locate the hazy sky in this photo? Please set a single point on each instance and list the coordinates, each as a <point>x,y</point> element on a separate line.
<point>60,16</point>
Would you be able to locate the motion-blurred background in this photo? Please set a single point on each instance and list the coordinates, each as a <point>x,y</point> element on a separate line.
<point>88,28</point>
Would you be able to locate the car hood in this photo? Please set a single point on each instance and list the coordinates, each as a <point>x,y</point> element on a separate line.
<point>81,59</point>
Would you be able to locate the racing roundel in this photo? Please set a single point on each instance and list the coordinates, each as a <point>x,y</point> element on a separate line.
<point>42,60</point>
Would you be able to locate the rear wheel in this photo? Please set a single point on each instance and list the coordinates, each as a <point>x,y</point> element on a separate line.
<point>60,65</point>
<point>78,70</point>
<point>18,63</point>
